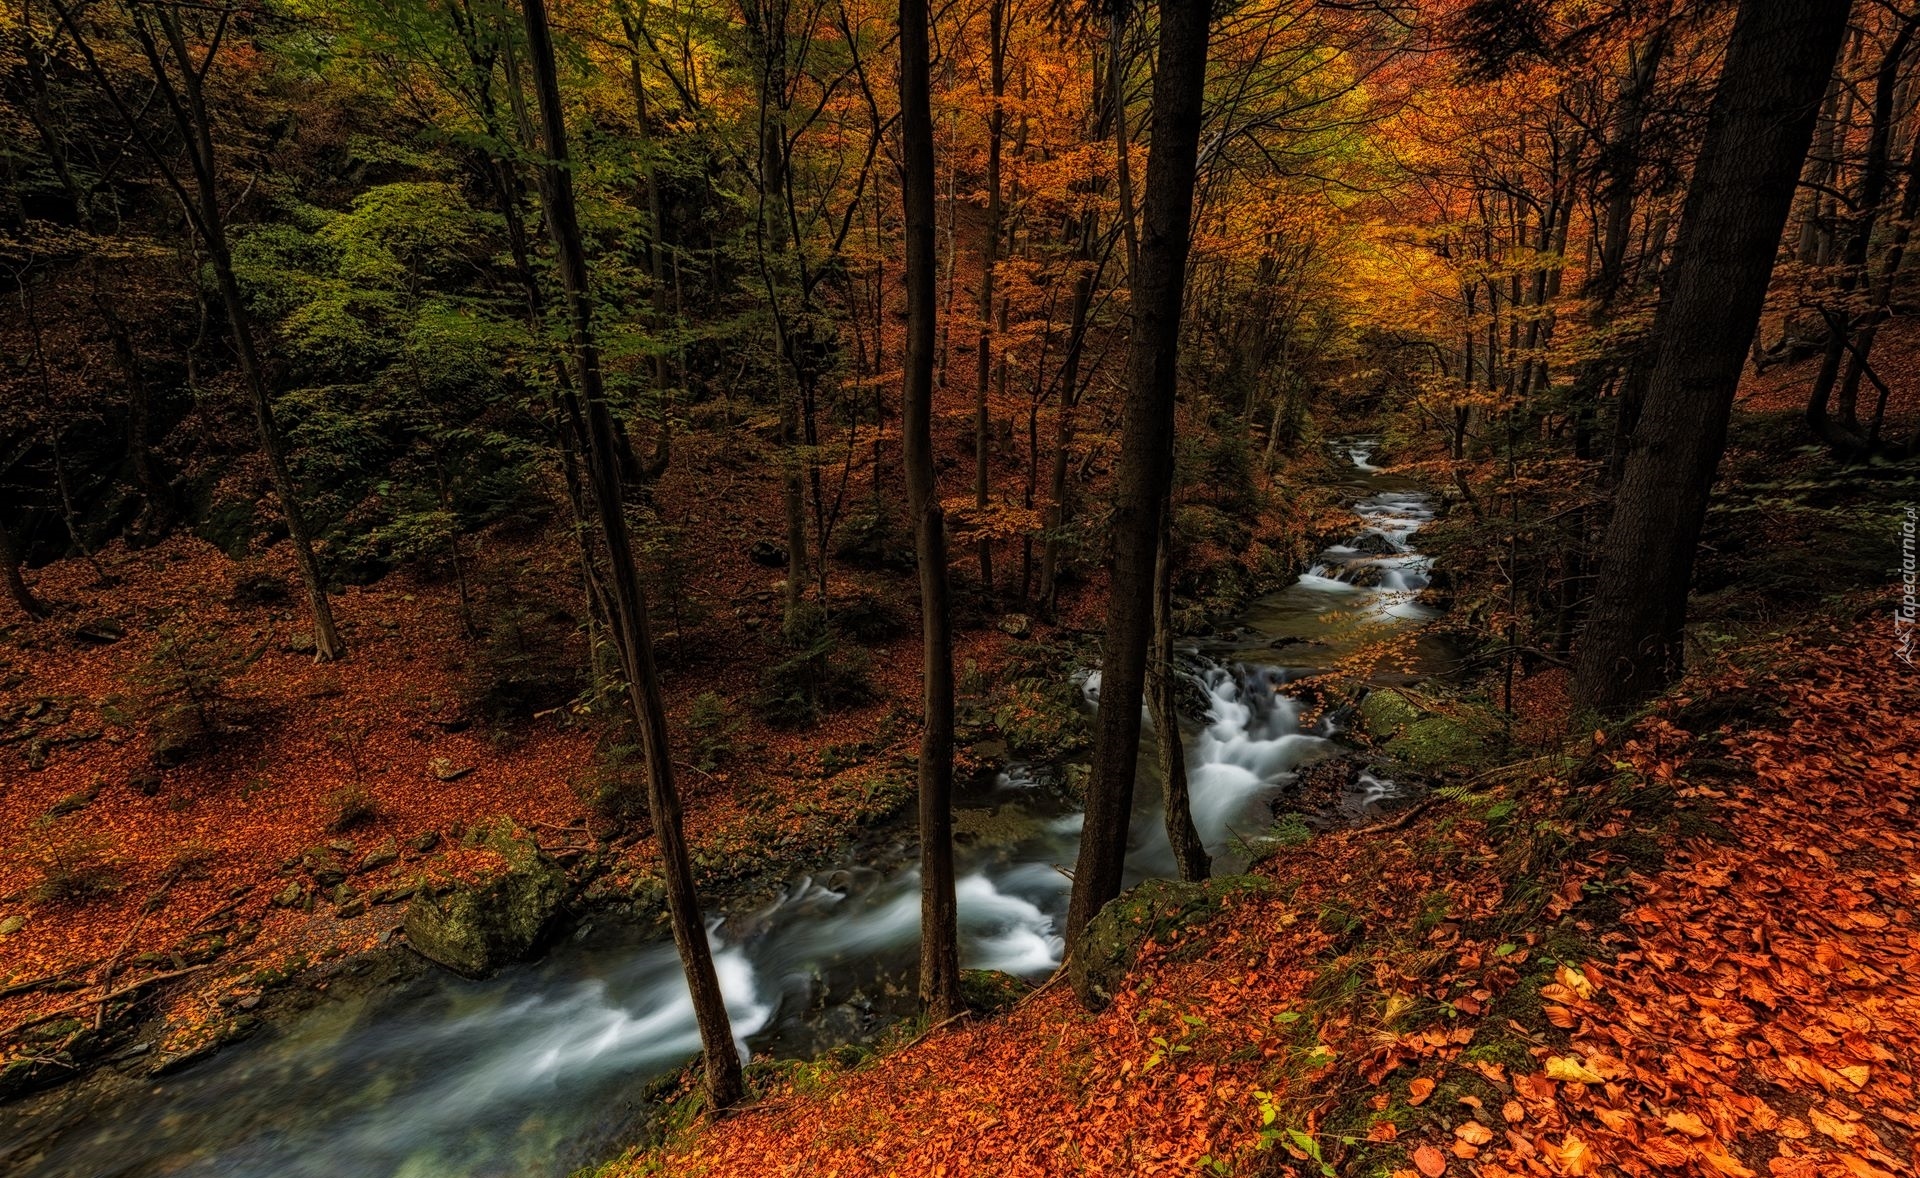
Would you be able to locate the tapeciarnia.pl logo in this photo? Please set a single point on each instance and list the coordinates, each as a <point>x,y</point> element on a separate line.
<point>1906,640</point>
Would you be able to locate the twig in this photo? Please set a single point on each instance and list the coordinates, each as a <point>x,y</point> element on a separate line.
<point>1399,820</point>
<point>943,1023</point>
<point>33,984</point>
<point>122,992</point>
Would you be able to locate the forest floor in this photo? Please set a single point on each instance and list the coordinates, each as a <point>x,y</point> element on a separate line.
<point>1686,947</point>
<point>174,901</point>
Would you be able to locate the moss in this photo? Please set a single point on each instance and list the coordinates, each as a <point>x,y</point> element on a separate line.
<point>1153,911</point>
<point>475,927</point>
<point>989,991</point>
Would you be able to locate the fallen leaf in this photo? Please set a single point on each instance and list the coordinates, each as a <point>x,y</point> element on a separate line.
<point>1687,1123</point>
<point>1574,980</point>
<point>1430,1161</point>
<point>1419,1090</point>
<point>1567,1067</point>
<point>1514,1112</point>
<point>1560,1016</point>
<point>1383,1131</point>
<point>1833,1127</point>
<point>1473,1133</point>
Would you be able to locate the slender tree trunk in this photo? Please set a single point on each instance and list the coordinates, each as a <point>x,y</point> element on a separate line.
<point>989,254</point>
<point>1189,854</point>
<point>180,85</point>
<point>1146,453</point>
<point>629,609</point>
<point>939,935</point>
<point>1778,60</point>
<point>10,558</point>
<point>1058,508</point>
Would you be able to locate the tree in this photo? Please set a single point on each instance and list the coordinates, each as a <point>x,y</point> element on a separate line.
<point>1146,450</point>
<point>939,936</point>
<point>1778,60</point>
<point>178,74</point>
<point>628,604</point>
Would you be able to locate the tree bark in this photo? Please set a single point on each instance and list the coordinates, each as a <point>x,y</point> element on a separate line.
<point>939,932</point>
<point>1189,854</point>
<point>989,254</point>
<point>1778,60</point>
<point>17,589</point>
<point>1146,452</point>
<point>628,602</point>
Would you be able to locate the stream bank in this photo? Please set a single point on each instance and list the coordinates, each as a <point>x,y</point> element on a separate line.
<point>539,1069</point>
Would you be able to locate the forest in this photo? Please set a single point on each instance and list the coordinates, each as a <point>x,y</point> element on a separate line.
<point>609,588</point>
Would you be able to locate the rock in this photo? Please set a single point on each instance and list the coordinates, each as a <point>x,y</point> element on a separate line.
<point>475,927</point>
<point>425,841</point>
<point>446,770</point>
<point>325,865</point>
<point>291,897</point>
<point>99,631</point>
<point>990,991</point>
<point>12,925</point>
<point>300,643</point>
<point>1426,742</point>
<point>385,852</point>
<point>767,554</point>
<point>148,784</point>
<point>257,587</point>
<point>176,734</point>
<point>1016,625</point>
<point>355,906</point>
<point>37,755</point>
<point>1154,910</point>
<point>1373,544</point>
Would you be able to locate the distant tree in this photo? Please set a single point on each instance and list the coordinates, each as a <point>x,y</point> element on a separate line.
<point>179,45</point>
<point>1778,59</point>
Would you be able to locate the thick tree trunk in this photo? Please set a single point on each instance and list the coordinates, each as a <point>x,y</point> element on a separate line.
<point>1189,854</point>
<point>939,936</point>
<point>629,608</point>
<point>1146,452</point>
<point>1778,59</point>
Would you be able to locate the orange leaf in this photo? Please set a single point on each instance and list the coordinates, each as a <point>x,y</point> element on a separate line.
<point>1419,1090</point>
<point>1430,1161</point>
<point>1687,1123</point>
<point>1473,1133</point>
<point>1383,1131</point>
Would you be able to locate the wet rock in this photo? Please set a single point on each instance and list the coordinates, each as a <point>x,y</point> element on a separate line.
<point>1153,911</point>
<point>767,554</point>
<point>1373,544</point>
<point>473,927</point>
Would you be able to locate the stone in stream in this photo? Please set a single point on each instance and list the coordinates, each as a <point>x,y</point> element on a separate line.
<point>1153,911</point>
<point>1422,740</point>
<point>485,915</point>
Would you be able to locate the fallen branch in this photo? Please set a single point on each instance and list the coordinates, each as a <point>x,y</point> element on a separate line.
<point>110,996</point>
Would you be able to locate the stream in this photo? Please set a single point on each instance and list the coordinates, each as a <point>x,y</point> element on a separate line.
<point>538,1070</point>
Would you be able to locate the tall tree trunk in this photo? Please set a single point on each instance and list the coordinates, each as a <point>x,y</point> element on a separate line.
<point>629,607</point>
<point>989,254</point>
<point>939,935</point>
<point>1146,452</point>
<point>1777,63</point>
<point>1189,854</point>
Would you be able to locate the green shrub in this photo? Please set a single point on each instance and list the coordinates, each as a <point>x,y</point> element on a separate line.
<point>712,725</point>
<point>74,872</point>
<point>184,688</point>
<point>818,674</point>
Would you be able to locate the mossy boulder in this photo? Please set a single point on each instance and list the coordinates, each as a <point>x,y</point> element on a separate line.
<point>486,902</point>
<point>989,991</point>
<point>1153,911</point>
<point>1419,739</point>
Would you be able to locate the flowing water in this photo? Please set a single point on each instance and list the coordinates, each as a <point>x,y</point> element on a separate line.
<point>538,1070</point>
